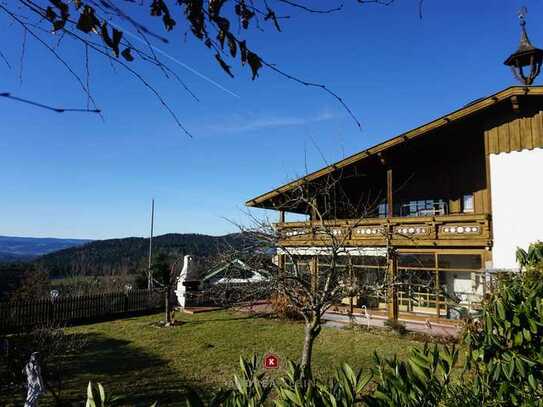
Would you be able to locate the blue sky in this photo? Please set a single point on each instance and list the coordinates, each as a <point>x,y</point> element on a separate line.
<point>74,175</point>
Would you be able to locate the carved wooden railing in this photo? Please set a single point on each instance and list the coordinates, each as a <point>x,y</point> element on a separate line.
<point>443,230</point>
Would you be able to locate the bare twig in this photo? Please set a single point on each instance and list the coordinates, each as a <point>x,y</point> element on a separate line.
<point>102,18</point>
<point>380,2</point>
<point>22,58</point>
<point>52,51</point>
<point>315,85</point>
<point>5,59</point>
<point>143,81</point>
<point>43,106</point>
<point>309,9</point>
<point>87,70</point>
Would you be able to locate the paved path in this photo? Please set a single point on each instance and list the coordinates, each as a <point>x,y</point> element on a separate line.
<point>336,320</point>
<point>339,320</point>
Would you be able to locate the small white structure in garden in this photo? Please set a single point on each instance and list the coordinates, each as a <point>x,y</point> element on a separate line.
<point>232,272</point>
<point>188,279</point>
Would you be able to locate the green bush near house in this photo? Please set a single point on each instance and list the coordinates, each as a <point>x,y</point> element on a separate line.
<point>505,346</point>
<point>532,259</point>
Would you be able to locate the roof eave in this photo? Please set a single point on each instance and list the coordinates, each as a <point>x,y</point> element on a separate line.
<point>440,122</point>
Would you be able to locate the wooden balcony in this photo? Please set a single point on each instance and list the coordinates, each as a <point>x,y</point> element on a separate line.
<point>420,231</point>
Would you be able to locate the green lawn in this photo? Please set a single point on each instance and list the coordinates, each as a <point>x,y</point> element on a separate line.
<point>145,362</point>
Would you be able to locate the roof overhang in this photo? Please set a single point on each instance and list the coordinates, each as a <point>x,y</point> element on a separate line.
<point>462,113</point>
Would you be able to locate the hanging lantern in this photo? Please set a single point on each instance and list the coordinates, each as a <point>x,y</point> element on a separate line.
<point>526,61</point>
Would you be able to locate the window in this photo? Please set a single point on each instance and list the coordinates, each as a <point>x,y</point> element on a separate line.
<point>424,260</point>
<point>467,203</point>
<point>300,263</point>
<point>460,261</point>
<point>371,261</point>
<point>424,207</point>
<point>382,208</point>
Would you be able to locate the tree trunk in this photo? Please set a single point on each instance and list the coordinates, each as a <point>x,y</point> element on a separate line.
<point>167,305</point>
<point>312,330</point>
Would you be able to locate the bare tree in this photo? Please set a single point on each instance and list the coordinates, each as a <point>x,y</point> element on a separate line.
<point>316,264</point>
<point>310,279</point>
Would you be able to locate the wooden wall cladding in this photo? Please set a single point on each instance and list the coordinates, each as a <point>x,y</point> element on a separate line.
<point>516,134</point>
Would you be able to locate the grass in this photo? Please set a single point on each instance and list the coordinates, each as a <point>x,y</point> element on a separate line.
<point>147,363</point>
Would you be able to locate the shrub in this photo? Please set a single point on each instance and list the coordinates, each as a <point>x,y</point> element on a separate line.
<point>420,381</point>
<point>250,389</point>
<point>345,389</point>
<point>396,326</point>
<point>505,345</point>
<point>531,260</point>
<point>283,309</point>
<point>97,397</point>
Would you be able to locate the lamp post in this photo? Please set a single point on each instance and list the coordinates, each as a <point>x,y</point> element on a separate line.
<point>526,56</point>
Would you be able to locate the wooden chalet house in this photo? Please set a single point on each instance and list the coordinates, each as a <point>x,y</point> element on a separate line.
<point>458,194</point>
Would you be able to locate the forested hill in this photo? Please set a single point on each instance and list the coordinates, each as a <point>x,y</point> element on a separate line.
<point>14,248</point>
<point>129,254</point>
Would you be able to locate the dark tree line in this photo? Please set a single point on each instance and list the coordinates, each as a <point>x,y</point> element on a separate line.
<point>128,255</point>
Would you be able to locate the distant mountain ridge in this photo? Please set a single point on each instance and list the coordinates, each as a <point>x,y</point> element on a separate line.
<point>14,248</point>
<point>129,254</point>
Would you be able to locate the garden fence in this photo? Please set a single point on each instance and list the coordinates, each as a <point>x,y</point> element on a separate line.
<point>16,316</point>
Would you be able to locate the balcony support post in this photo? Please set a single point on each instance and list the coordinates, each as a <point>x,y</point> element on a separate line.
<point>437,287</point>
<point>391,275</point>
<point>281,257</point>
<point>392,257</point>
<point>390,203</point>
<point>392,289</point>
<point>351,283</point>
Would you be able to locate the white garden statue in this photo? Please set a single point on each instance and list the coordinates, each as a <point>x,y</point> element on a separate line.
<point>35,385</point>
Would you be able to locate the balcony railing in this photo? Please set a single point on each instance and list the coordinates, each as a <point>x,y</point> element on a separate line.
<point>444,230</point>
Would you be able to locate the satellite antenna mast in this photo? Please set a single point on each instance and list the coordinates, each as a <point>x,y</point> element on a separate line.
<point>149,273</point>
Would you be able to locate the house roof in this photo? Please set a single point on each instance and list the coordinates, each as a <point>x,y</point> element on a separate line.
<point>462,113</point>
<point>235,262</point>
<point>238,263</point>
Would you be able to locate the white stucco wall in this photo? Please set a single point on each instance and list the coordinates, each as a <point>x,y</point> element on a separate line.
<point>517,203</point>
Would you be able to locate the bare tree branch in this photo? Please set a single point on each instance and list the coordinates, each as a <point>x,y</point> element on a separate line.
<point>143,81</point>
<point>309,9</point>
<point>381,2</point>
<point>22,57</point>
<point>5,59</point>
<point>52,51</point>
<point>54,109</point>
<point>102,18</point>
<point>315,85</point>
